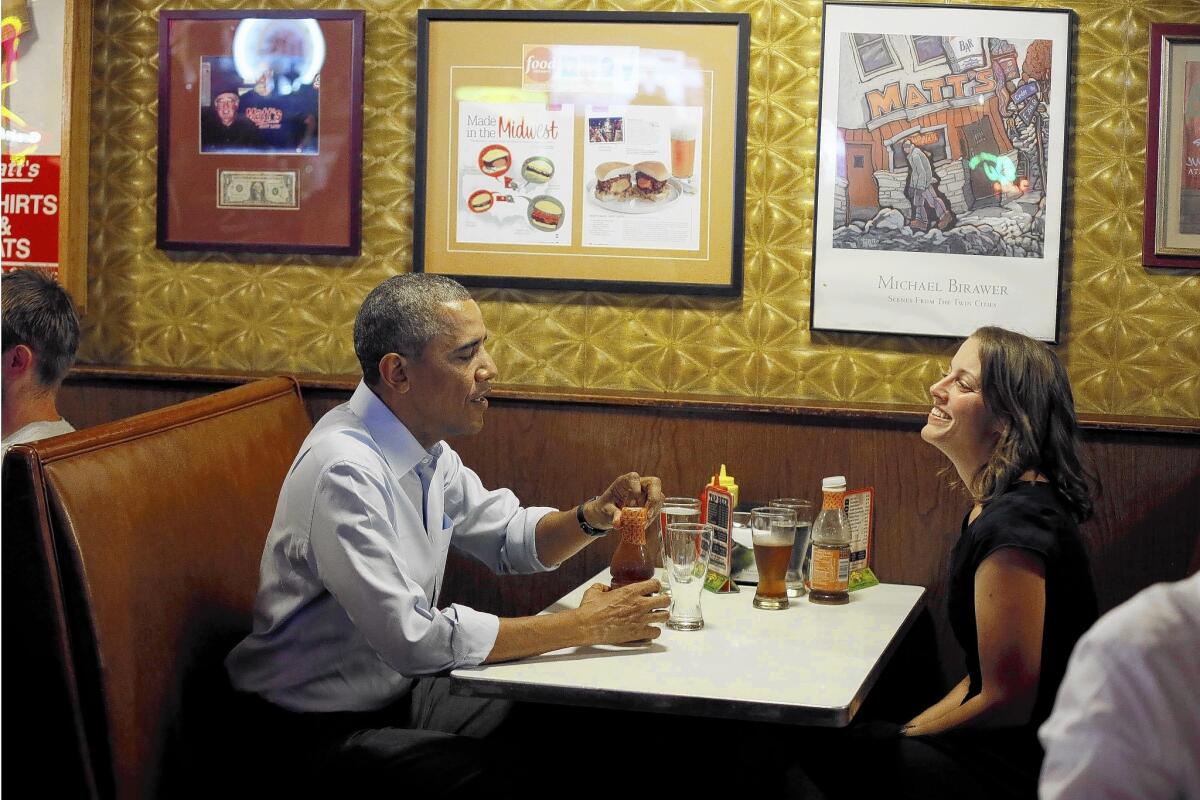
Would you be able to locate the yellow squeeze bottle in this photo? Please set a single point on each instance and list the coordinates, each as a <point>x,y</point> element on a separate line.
<point>728,483</point>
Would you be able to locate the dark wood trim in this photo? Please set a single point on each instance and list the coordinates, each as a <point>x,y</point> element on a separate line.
<point>876,412</point>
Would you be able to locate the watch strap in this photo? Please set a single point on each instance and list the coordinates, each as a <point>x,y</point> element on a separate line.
<point>585,526</point>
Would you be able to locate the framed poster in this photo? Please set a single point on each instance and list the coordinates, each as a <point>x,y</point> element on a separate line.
<point>1171,236</point>
<point>260,131</point>
<point>940,169</point>
<point>581,150</point>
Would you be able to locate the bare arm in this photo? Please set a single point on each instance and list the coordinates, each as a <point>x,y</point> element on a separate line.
<point>558,533</point>
<point>951,701</point>
<point>604,616</point>
<point>1010,614</point>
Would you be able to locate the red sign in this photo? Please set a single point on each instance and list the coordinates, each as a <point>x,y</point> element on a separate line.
<point>29,212</point>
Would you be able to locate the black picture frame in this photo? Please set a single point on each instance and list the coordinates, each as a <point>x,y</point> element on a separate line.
<point>443,174</point>
<point>983,243</point>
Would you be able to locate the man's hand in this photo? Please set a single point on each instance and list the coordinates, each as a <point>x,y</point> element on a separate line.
<point>604,616</point>
<point>630,489</point>
<point>628,614</point>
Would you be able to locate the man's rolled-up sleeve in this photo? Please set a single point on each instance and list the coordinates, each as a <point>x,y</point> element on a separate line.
<point>492,526</point>
<point>377,571</point>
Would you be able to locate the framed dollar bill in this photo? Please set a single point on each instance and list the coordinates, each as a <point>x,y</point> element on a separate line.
<point>260,131</point>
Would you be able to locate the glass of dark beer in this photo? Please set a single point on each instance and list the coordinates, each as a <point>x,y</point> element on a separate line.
<point>773,531</point>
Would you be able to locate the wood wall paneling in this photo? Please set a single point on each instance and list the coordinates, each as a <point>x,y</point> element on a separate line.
<point>559,453</point>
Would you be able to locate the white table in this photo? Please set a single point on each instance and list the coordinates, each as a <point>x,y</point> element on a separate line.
<point>808,664</point>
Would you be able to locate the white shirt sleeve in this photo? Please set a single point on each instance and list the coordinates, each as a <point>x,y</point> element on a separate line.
<point>1100,742</point>
<point>378,571</point>
<point>1126,722</point>
<point>491,525</point>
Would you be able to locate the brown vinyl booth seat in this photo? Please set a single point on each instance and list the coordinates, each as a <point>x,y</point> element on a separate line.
<point>130,563</point>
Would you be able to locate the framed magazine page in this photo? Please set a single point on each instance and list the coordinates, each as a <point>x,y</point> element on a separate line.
<point>581,150</point>
<point>1171,237</point>
<point>260,131</point>
<point>940,169</point>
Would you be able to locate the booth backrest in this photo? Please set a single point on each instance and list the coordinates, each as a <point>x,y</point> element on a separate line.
<point>146,535</point>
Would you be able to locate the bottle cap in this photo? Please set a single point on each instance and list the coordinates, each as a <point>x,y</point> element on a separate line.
<point>727,481</point>
<point>836,483</point>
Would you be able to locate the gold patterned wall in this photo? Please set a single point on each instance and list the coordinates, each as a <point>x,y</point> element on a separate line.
<point>1130,336</point>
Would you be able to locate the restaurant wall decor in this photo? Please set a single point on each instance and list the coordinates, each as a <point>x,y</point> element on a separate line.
<point>260,131</point>
<point>1127,334</point>
<point>940,168</point>
<point>1171,237</point>
<point>556,150</point>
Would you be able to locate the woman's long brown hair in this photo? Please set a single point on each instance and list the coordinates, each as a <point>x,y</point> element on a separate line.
<point>1025,386</point>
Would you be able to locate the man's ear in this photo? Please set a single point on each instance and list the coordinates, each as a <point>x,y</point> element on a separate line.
<point>393,372</point>
<point>18,361</point>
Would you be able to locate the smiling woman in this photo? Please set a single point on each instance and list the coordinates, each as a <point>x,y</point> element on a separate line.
<point>1020,590</point>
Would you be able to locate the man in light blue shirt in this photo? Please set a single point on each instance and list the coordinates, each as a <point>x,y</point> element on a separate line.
<point>347,632</point>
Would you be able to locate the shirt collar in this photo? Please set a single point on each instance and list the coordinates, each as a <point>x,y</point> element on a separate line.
<point>401,449</point>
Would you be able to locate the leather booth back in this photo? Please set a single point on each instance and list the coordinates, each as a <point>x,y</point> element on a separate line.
<point>154,528</point>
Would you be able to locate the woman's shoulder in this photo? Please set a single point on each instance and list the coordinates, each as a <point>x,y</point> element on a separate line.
<point>1031,514</point>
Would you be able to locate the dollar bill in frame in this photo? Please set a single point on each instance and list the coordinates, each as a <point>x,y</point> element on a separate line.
<point>260,111</point>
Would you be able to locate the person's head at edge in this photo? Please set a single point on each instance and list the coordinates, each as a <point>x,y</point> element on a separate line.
<point>421,342</point>
<point>1005,411</point>
<point>40,337</point>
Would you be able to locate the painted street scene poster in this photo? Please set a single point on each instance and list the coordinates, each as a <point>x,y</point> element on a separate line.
<point>943,144</point>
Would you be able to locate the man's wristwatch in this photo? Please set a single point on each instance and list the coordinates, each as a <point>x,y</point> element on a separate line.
<point>583,523</point>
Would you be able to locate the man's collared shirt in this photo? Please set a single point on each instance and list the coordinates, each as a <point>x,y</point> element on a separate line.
<point>346,612</point>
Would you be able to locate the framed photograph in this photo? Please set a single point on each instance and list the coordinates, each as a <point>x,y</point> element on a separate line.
<point>1171,237</point>
<point>940,169</point>
<point>581,150</point>
<point>260,131</point>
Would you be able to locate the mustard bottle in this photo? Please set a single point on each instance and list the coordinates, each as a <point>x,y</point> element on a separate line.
<point>729,483</point>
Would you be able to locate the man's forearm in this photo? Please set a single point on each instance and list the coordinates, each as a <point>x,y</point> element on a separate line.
<point>559,537</point>
<point>521,637</point>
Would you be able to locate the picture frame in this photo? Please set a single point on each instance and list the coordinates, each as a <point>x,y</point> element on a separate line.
<point>582,150</point>
<point>941,169</point>
<point>1171,232</point>
<point>260,131</point>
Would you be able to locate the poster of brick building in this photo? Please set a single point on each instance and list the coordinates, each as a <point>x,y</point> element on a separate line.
<point>940,181</point>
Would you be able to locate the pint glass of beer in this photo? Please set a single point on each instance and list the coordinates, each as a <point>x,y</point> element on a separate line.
<point>683,149</point>
<point>773,531</point>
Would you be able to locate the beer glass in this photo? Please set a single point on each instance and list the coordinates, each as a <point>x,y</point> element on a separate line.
<point>773,531</point>
<point>683,149</point>
<point>795,571</point>
<point>686,546</point>
<point>674,510</point>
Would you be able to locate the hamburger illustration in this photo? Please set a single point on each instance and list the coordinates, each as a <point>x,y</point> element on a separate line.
<point>537,169</point>
<point>650,180</point>
<point>613,180</point>
<point>480,201</point>
<point>495,160</point>
<point>546,213</point>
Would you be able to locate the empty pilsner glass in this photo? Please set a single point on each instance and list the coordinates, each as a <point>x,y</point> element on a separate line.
<point>686,546</point>
<point>796,566</point>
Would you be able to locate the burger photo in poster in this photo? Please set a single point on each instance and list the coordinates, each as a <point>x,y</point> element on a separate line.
<point>537,169</point>
<point>613,180</point>
<point>640,188</point>
<point>480,201</point>
<point>545,213</point>
<point>495,159</point>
